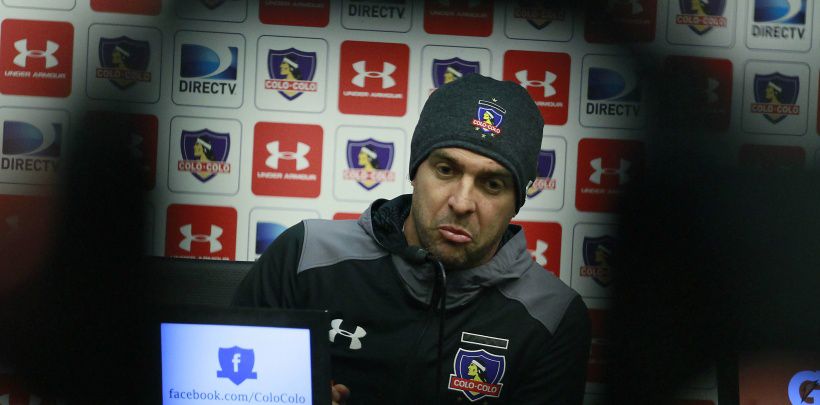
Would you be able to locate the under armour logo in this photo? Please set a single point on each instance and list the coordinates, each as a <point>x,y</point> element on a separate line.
<point>355,337</point>
<point>23,53</point>
<point>387,70</point>
<point>635,5</point>
<point>621,172</point>
<point>549,78</point>
<point>539,254</point>
<point>302,150</point>
<point>212,239</point>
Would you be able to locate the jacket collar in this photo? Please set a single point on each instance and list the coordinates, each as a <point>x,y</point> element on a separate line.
<point>384,220</point>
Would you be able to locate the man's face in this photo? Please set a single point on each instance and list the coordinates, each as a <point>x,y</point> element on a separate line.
<point>462,204</point>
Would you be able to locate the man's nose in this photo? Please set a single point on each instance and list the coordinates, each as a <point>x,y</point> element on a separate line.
<point>462,200</point>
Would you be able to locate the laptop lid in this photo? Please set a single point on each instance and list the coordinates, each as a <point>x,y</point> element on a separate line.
<point>243,355</point>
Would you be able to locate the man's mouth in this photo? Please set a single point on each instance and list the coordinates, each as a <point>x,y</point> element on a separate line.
<point>454,234</point>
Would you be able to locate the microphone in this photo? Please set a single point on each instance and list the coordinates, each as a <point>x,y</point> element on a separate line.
<point>415,255</point>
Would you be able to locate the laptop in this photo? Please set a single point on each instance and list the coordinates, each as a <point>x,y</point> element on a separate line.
<point>243,355</point>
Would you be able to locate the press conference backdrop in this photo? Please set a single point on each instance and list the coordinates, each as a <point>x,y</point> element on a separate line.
<point>249,116</point>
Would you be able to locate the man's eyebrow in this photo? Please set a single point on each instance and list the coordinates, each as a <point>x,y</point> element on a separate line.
<point>501,172</point>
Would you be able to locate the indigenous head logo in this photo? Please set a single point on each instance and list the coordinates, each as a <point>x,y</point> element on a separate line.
<point>701,15</point>
<point>489,117</point>
<point>540,13</point>
<point>291,72</point>
<point>204,154</point>
<point>776,96</point>
<point>124,61</point>
<point>236,364</point>
<point>450,70</point>
<point>369,162</point>
<point>545,169</point>
<point>597,253</point>
<point>477,374</point>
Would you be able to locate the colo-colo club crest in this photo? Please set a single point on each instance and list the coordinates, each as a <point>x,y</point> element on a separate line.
<point>545,169</point>
<point>204,154</point>
<point>489,117</point>
<point>540,13</point>
<point>775,96</point>
<point>701,15</point>
<point>124,61</point>
<point>449,70</point>
<point>597,254</point>
<point>477,374</point>
<point>291,72</point>
<point>369,162</point>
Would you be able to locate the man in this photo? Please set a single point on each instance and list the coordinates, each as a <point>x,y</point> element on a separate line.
<point>382,276</point>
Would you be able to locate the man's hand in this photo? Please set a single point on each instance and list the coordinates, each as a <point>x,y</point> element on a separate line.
<point>339,393</point>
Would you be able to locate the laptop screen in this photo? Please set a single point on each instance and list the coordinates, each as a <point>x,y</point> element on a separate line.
<point>238,355</point>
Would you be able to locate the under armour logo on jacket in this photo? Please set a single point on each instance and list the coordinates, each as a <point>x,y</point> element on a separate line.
<point>355,336</point>
<point>24,53</point>
<point>549,78</point>
<point>595,177</point>
<point>302,150</point>
<point>387,69</point>
<point>212,239</point>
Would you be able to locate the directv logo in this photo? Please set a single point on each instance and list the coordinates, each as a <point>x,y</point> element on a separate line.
<point>610,92</point>
<point>779,19</point>
<point>213,70</point>
<point>28,148</point>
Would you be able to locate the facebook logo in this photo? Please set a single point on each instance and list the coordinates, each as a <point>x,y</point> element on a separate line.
<point>236,364</point>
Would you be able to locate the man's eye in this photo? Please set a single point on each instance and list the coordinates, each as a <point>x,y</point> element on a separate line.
<point>495,185</point>
<point>444,170</point>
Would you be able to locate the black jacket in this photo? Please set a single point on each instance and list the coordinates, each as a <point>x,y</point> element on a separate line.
<point>508,322</point>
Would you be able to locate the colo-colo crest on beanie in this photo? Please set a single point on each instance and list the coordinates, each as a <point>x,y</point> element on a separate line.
<point>493,118</point>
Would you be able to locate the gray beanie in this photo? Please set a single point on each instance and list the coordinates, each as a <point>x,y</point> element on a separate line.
<point>493,118</point>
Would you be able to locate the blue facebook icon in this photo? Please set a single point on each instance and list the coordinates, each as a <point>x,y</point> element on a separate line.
<point>237,364</point>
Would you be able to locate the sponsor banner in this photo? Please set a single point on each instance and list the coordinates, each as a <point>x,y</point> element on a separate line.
<point>606,168</point>
<point>539,20</point>
<point>779,377</point>
<point>593,246</point>
<point>545,76</point>
<point>266,224</point>
<point>124,63</point>
<point>287,160</point>
<point>200,232</point>
<point>369,163</point>
<point>393,15</point>
<point>547,191</point>
<point>31,144</point>
<point>139,132</point>
<point>46,4</point>
<point>697,22</point>
<point>470,18</point>
<point>213,10</point>
<point>291,74</point>
<point>208,69</point>
<point>36,57</point>
<point>626,21</point>
<point>373,78</point>
<point>600,346</point>
<point>704,92</point>
<point>544,244</point>
<point>782,25</point>
<point>612,93</point>
<point>444,64</point>
<point>306,13</point>
<point>772,157</point>
<point>146,7</point>
<point>775,98</point>
<point>204,155</point>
